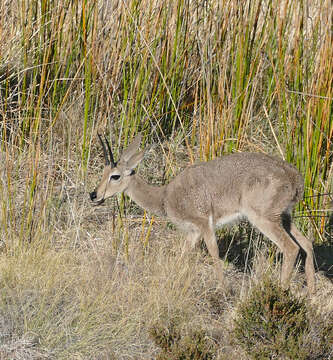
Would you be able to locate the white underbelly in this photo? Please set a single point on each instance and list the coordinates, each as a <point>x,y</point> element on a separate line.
<point>228,219</point>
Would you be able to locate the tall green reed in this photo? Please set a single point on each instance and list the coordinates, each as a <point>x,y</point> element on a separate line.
<point>221,76</point>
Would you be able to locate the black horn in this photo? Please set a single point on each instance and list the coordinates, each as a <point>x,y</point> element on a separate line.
<point>108,160</point>
<point>113,164</point>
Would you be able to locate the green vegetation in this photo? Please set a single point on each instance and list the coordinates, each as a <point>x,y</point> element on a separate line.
<point>176,344</point>
<point>272,323</point>
<point>198,79</point>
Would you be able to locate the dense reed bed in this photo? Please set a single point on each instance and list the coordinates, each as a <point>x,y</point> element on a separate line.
<point>198,79</point>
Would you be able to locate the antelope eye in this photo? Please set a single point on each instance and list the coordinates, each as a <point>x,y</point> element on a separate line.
<point>114,177</point>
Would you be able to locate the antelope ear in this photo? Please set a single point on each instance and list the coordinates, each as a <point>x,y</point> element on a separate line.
<point>131,149</point>
<point>133,162</point>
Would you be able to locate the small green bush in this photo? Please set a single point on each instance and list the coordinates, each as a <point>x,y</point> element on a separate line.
<point>272,323</point>
<point>179,345</point>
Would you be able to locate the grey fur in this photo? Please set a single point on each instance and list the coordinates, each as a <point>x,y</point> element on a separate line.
<point>261,188</point>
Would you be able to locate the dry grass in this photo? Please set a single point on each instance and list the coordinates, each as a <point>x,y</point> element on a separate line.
<point>198,79</point>
<point>91,286</point>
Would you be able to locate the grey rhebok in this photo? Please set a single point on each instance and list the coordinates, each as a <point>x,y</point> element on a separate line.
<point>261,188</point>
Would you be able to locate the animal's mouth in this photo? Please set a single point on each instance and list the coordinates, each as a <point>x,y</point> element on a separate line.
<point>95,201</point>
<point>98,202</point>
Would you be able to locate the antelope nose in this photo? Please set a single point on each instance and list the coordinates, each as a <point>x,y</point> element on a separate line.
<point>93,195</point>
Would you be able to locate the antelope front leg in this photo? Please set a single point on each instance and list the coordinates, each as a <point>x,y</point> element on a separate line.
<point>192,238</point>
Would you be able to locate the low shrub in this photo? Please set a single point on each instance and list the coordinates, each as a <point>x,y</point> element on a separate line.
<point>178,344</point>
<point>273,324</point>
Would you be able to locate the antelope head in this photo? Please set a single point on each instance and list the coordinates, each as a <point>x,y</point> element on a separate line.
<point>117,175</point>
